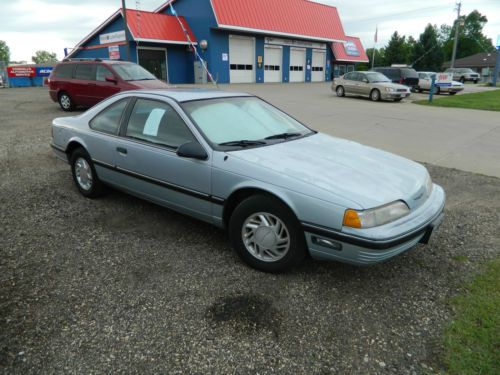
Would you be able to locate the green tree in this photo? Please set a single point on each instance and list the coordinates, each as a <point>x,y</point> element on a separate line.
<point>379,57</point>
<point>4,52</point>
<point>471,39</point>
<point>428,54</point>
<point>42,57</point>
<point>396,51</point>
<point>409,49</point>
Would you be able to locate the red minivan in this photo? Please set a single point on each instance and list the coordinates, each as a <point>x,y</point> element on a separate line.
<point>84,83</point>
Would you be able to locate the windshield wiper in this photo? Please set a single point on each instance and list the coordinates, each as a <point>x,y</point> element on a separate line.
<point>242,143</point>
<point>284,136</point>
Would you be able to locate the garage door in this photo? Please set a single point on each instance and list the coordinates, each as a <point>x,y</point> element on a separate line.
<point>318,66</point>
<point>297,65</point>
<point>272,64</point>
<point>241,59</point>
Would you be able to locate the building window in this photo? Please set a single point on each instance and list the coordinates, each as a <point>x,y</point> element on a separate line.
<point>240,67</point>
<point>296,68</point>
<point>272,67</point>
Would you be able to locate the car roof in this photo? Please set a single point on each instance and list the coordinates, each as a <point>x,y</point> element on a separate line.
<point>185,95</point>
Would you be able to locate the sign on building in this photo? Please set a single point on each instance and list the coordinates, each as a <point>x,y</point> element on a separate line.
<point>114,52</point>
<point>21,71</point>
<point>117,36</point>
<point>350,48</point>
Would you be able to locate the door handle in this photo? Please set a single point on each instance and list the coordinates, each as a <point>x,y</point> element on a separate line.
<point>121,150</point>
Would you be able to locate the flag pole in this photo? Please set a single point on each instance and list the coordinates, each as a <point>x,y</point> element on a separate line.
<point>374,46</point>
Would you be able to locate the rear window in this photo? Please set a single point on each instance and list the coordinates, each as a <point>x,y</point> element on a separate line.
<point>64,71</point>
<point>409,73</point>
<point>391,73</point>
<point>84,71</point>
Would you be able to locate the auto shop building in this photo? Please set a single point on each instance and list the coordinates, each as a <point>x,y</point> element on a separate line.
<point>242,41</point>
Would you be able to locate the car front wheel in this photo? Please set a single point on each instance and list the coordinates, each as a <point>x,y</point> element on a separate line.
<point>266,234</point>
<point>84,174</point>
<point>340,91</point>
<point>66,102</point>
<point>375,95</point>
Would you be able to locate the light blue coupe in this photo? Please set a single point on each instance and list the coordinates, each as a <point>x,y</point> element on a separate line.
<point>281,189</point>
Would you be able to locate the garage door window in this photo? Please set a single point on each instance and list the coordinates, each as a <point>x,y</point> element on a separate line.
<point>241,67</point>
<point>296,68</point>
<point>272,67</point>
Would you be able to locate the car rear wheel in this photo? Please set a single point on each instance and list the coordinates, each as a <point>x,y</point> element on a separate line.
<point>398,99</point>
<point>375,95</point>
<point>452,93</point>
<point>462,79</point>
<point>266,234</point>
<point>66,102</point>
<point>84,174</point>
<point>340,91</point>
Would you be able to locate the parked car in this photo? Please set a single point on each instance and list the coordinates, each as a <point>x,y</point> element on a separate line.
<point>233,160</point>
<point>440,86</point>
<point>85,83</point>
<point>1,81</point>
<point>464,74</point>
<point>374,85</point>
<point>404,76</point>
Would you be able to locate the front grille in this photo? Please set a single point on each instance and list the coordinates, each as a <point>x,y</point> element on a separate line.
<point>401,90</point>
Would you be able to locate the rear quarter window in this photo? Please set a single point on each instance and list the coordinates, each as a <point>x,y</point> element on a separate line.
<point>64,71</point>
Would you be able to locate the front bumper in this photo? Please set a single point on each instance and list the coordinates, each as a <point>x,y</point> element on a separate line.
<point>394,95</point>
<point>329,244</point>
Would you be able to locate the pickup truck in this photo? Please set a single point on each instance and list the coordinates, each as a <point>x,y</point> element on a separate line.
<point>444,83</point>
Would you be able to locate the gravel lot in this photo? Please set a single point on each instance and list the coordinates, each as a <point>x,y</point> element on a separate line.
<point>118,285</point>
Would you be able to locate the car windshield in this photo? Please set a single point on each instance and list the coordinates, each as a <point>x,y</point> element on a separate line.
<point>376,77</point>
<point>242,121</point>
<point>132,72</point>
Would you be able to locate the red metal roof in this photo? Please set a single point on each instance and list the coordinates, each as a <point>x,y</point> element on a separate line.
<point>156,27</point>
<point>341,50</point>
<point>296,18</point>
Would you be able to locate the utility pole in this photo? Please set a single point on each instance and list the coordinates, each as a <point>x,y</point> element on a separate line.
<point>127,45</point>
<point>457,25</point>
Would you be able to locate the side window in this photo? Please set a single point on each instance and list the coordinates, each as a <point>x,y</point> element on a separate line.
<point>102,72</point>
<point>108,121</point>
<point>348,76</point>
<point>159,123</point>
<point>85,71</point>
<point>64,71</point>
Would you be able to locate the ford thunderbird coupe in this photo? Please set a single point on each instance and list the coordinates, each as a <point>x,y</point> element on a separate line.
<point>282,190</point>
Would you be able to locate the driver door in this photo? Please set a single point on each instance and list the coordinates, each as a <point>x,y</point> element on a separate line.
<point>149,165</point>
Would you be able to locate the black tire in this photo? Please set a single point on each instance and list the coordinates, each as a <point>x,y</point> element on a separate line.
<point>340,91</point>
<point>398,99</point>
<point>462,79</point>
<point>437,90</point>
<point>476,81</point>
<point>96,187</point>
<point>297,249</point>
<point>67,104</point>
<point>375,95</point>
<point>452,93</point>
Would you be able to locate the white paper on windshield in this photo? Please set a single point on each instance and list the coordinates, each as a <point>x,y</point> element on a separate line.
<point>153,122</point>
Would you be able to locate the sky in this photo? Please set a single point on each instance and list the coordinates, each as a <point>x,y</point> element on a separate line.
<point>30,25</point>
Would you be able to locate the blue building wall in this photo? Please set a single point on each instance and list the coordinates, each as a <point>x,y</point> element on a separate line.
<point>201,19</point>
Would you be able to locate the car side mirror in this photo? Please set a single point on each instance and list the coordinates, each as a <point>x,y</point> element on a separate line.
<point>192,150</point>
<point>365,80</point>
<point>110,79</point>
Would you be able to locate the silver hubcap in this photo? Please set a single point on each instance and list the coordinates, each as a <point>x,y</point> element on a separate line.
<point>65,101</point>
<point>340,91</point>
<point>265,237</point>
<point>375,95</point>
<point>83,173</point>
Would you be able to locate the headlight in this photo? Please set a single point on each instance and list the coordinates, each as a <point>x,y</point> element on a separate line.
<point>389,89</point>
<point>375,216</point>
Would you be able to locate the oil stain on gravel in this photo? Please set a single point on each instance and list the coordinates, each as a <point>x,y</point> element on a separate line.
<point>245,313</point>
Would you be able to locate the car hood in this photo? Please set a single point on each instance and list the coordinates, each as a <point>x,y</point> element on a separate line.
<point>338,167</point>
<point>149,84</point>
